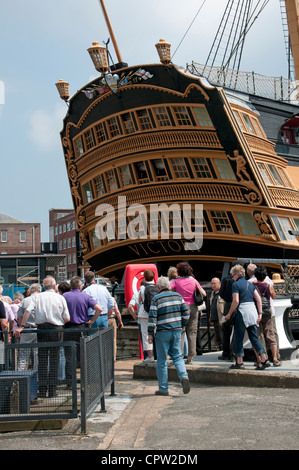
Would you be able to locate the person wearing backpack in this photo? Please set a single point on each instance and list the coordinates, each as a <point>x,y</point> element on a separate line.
<point>146,293</point>
<point>266,327</point>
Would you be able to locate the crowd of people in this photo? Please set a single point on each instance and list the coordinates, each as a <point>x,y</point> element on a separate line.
<point>167,313</point>
<point>71,305</point>
<point>241,301</point>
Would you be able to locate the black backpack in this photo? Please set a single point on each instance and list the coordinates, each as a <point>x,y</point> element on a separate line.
<point>266,309</point>
<point>149,292</point>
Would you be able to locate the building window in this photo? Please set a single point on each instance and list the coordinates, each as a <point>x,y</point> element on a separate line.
<point>257,127</point>
<point>64,244</point>
<point>275,175</point>
<point>22,236</point>
<point>87,192</point>
<point>203,117</point>
<point>182,115</point>
<point>96,241</point>
<point>179,168</point>
<point>201,167</point>
<point>264,173</point>
<point>221,221</point>
<point>99,185</point>
<point>89,140</point>
<point>73,242</point>
<point>160,170</point>
<point>141,172</point>
<point>111,179</point>
<point>283,225</point>
<point>100,132</point>
<point>247,224</point>
<point>125,175</point>
<point>248,123</point>
<point>144,119</point>
<point>114,127</point>
<point>69,243</point>
<point>79,150</point>
<point>162,116</point>
<point>4,237</point>
<point>128,123</point>
<point>225,169</point>
<point>240,122</point>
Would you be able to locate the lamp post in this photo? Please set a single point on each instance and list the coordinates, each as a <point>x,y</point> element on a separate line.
<point>99,57</point>
<point>163,48</point>
<point>63,89</point>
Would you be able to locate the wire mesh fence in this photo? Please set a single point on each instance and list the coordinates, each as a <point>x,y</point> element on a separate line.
<point>275,88</point>
<point>55,374</point>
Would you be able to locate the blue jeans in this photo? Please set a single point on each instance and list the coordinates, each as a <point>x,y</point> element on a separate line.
<point>169,342</point>
<point>239,330</point>
<point>101,321</point>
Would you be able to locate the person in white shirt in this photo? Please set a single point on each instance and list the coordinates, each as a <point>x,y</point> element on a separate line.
<point>30,336</point>
<point>50,312</point>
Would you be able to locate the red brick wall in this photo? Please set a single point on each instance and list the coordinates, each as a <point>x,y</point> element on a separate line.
<point>14,245</point>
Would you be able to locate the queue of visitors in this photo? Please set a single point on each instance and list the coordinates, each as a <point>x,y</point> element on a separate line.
<point>235,305</point>
<point>167,313</point>
<point>44,309</point>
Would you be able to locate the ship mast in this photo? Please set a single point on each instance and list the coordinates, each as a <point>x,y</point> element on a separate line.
<point>110,29</point>
<point>292,10</point>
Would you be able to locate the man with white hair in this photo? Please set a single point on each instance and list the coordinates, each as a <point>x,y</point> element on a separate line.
<point>250,272</point>
<point>50,312</point>
<point>168,314</point>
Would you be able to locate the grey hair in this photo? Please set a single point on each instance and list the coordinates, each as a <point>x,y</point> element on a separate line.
<point>163,283</point>
<point>18,296</point>
<point>49,282</point>
<point>251,268</point>
<point>238,269</point>
<point>35,287</point>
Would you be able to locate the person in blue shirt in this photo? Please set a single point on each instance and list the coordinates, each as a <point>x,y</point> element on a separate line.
<point>102,297</point>
<point>245,297</point>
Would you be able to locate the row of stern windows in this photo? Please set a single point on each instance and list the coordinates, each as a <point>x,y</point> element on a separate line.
<point>162,169</point>
<point>239,223</point>
<point>156,117</point>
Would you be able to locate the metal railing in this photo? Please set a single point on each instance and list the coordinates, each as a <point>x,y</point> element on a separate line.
<point>275,88</point>
<point>51,378</point>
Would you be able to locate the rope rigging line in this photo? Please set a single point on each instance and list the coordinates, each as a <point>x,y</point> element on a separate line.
<point>204,1</point>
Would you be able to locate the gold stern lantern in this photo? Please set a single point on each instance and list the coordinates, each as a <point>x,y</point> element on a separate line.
<point>63,89</point>
<point>163,48</point>
<point>99,57</point>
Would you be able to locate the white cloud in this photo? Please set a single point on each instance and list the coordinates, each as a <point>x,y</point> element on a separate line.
<point>45,127</point>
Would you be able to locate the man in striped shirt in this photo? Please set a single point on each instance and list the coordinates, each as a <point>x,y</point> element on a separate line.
<point>168,315</point>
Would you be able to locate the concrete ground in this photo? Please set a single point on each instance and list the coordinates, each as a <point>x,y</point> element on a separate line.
<point>239,414</point>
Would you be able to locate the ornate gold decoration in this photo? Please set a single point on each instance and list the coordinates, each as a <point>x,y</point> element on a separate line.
<point>263,224</point>
<point>255,196</point>
<point>84,240</point>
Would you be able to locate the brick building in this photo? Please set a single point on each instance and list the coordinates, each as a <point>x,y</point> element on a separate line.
<point>18,237</point>
<point>62,230</point>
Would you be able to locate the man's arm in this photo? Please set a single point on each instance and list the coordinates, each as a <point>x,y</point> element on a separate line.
<point>152,321</point>
<point>17,332</point>
<point>98,310</point>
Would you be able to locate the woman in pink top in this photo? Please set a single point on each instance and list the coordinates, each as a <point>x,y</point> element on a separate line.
<point>185,285</point>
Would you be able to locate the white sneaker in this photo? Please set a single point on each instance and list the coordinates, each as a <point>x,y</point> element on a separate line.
<point>149,359</point>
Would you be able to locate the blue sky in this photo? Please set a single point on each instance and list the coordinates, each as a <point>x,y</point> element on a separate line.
<point>41,42</point>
